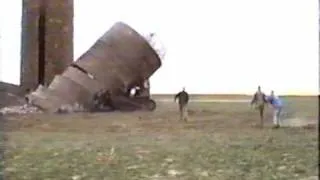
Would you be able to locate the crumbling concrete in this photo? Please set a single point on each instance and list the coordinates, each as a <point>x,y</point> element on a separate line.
<point>12,100</point>
<point>119,60</point>
<point>23,109</point>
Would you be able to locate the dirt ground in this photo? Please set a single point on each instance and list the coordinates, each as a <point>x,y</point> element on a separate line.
<point>221,141</point>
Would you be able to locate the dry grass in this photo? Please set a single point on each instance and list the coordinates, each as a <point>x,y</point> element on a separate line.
<point>219,142</point>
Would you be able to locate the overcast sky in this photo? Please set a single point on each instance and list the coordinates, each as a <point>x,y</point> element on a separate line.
<point>213,46</point>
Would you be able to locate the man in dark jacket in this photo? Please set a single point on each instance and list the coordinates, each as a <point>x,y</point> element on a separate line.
<point>183,99</point>
<point>260,100</point>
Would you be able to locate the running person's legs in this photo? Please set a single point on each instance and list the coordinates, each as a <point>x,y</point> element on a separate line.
<point>276,116</point>
<point>261,113</point>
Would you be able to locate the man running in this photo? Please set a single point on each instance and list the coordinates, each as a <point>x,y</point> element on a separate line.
<point>183,99</point>
<point>277,105</point>
<point>260,100</point>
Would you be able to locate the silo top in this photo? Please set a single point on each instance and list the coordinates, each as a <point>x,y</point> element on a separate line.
<point>120,57</point>
<point>156,44</point>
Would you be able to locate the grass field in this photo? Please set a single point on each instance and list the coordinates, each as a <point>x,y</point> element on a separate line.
<point>220,141</point>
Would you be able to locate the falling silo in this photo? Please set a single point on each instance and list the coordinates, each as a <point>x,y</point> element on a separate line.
<point>118,60</point>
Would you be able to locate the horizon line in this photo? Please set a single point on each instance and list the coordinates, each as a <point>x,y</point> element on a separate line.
<point>232,94</point>
<point>202,94</point>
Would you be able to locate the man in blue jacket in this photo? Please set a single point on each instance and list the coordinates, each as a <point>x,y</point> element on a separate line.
<point>277,105</point>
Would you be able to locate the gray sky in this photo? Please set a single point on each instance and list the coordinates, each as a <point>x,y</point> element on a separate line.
<point>222,44</point>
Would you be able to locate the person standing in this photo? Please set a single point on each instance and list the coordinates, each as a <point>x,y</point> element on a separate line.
<point>260,100</point>
<point>277,105</point>
<point>183,99</point>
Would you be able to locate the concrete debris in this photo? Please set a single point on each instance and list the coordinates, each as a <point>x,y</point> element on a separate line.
<point>25,109</point>
<point>68,108</point>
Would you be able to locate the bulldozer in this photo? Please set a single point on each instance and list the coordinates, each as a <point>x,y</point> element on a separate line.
<point>119,62</point>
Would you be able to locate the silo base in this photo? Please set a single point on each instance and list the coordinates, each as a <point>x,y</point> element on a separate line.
<point>124,103</point>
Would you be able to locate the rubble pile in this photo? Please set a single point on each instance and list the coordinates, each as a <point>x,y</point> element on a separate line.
<point>67,108</point>
<point>25,109</point>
